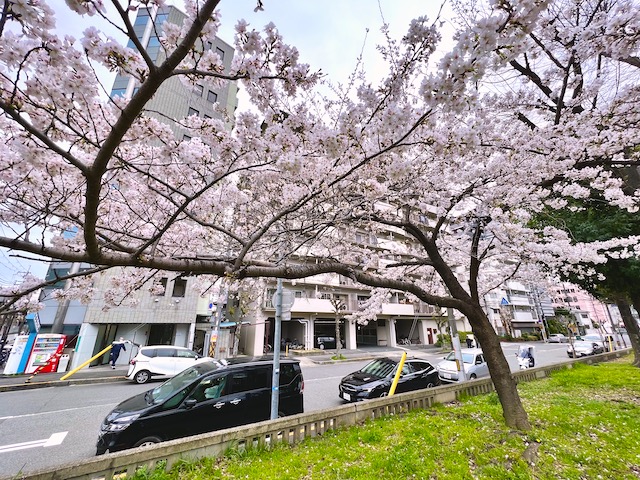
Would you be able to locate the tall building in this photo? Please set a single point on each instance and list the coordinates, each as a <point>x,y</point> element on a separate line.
<point>179,316</point>
<point>174,100</point>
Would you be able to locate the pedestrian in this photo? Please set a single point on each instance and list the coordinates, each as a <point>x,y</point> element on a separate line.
<point>469,342</point>
<point>116,347</point>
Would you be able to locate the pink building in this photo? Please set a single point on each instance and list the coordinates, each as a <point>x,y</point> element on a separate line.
<point>569,296</point>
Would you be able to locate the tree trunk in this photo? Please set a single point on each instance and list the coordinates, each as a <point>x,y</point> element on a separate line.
<point>515,415</point>
<point>631,325</point>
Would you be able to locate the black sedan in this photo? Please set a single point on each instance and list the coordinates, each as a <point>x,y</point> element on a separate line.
<point>374,379</point>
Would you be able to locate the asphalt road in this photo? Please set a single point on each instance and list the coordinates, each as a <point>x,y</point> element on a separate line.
<point>46,427</point>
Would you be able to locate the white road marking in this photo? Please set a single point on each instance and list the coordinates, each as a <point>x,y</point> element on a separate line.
<point>52,441</point>
<point>55,412</point>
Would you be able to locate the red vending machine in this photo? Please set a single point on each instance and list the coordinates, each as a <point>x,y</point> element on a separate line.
<point>46,353</point>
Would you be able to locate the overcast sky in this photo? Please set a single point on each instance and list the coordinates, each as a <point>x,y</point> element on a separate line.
<point>329,36</point>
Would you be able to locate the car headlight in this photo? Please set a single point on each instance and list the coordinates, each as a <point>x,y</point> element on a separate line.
<point>122,423</point>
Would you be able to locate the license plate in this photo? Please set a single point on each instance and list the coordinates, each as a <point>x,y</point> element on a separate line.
<point>346,396</point>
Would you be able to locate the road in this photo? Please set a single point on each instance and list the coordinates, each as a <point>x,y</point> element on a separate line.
<point>45,427</point>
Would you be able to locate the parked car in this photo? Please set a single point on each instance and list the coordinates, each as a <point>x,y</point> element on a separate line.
<point>475,366</point>
<point>205,397</point>
<point>161,360</point>
<point>375,379</point>
<point>605,340</point>
<point>557,338</point>
<point>581,348</point>
<point>328,342</point>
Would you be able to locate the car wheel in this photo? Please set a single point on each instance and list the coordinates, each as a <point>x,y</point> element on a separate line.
<point>143,376</point>
<point>147,441</point>
<point>430,385</point>
<point>473,376</point>
<point>384,394</point>
<point>321,346</point>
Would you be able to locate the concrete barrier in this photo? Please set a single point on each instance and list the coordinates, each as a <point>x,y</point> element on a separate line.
<point>291,429</point>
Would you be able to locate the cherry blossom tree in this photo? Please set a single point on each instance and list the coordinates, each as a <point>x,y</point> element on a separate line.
<point>446,161</point>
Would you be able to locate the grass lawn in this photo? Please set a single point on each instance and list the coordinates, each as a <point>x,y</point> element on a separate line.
<point>586,425</point>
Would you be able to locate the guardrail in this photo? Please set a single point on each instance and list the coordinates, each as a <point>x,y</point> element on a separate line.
<point>291,429</point>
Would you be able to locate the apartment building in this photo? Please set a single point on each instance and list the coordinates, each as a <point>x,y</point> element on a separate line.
<point>179,316</point>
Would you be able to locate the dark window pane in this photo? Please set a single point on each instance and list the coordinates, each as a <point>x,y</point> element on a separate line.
<point>166,352</point>
<point>179,287</point>
<point>212,96</point>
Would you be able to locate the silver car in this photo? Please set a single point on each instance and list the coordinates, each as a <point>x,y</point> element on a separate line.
<point>557,338</point>
<point>607,341</point>
<point>475,366</point>
<point>582,348</point>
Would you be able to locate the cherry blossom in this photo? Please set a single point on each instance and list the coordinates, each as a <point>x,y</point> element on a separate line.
<point>451,157</point>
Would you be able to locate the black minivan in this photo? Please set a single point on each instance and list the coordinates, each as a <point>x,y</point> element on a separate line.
<point>205,397</point>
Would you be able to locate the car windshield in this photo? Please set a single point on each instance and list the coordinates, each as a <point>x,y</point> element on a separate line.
<point>380,368</point>
<point>181,380</point>
<point>466,357</point>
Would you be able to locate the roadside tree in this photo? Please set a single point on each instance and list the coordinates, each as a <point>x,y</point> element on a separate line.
<point>452,156</point>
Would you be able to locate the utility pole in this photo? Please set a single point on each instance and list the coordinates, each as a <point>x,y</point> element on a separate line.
<point>275,381</point>
<point>222,299</point>
<point>283,301</point>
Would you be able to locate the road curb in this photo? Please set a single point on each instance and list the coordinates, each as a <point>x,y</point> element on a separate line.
<point>60,383</point>
<point>353,359</point>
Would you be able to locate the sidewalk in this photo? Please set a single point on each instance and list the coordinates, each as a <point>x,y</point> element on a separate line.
<point>99,374</point>
<point>105,374</point>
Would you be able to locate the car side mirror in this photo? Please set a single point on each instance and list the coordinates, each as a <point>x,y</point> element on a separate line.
<point>190,403</point>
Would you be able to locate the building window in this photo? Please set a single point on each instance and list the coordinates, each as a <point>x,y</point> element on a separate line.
<point>153,41</point>
<point>220,53</point>
<point>179,287</point>
<point>160,287</point>
<point>199,89</point>
<point>193,111</point>
<point>186,138</point>
<point>212,97</point>
<point>118,92</point>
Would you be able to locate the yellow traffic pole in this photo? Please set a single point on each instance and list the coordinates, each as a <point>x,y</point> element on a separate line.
<point>86,363</point>
<point>392,390</point>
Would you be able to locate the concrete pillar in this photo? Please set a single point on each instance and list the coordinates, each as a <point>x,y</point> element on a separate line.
<point>350,334</point>
<point>391,333</point>
<point>422,332</point>
<point>191,335</point>
<point>311,333</point>
<point>84,347</point>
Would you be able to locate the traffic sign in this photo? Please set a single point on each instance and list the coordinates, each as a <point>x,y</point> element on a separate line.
<point>288,298</point>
